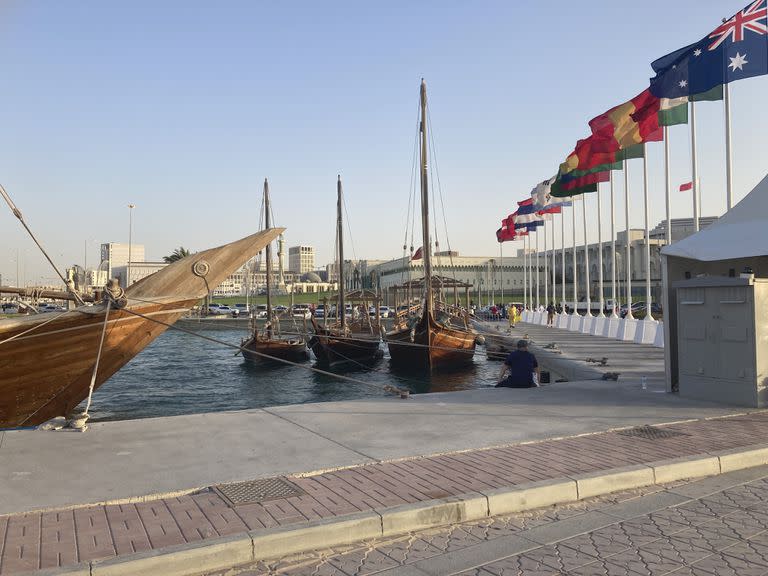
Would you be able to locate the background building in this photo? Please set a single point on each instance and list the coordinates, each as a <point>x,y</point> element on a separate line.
<point>681,228</point>
<point>114,254</point>
<point>487,275</point>
<point>301,259</point>
<point>139,270</point>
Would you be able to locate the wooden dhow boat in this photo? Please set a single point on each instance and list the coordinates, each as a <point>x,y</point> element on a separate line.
<point>48,361</point>
<point>347,341</point>
<point>438,336</point>
<point>266,343</point>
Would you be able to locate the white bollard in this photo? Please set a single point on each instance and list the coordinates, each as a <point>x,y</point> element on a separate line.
<point>646,331</point>
<point>598,326</point>
<point>627,329</point>
<point>659,340</point>
<point>611,326</point>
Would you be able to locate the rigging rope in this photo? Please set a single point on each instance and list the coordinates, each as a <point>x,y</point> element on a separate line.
<point>442,203</point>
<point>18,214</point>
<point>54,316</point>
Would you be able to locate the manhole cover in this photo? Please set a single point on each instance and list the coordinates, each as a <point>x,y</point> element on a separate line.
<point>651,432</point>
<point>255,491</point>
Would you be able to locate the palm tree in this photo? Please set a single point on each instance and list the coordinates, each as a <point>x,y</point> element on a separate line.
<point>177,254</point>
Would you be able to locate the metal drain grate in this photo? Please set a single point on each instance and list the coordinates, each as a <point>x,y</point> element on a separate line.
<point>651,432</point>
<point>255,491</point>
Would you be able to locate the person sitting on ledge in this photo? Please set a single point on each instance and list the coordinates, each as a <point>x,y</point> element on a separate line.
<point>521,366</point>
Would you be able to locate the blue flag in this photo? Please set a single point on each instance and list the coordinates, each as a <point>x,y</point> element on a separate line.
<point>530,226</point>
<point>736,49</point>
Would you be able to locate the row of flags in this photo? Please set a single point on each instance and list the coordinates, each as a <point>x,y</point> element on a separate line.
<point>734,50</point>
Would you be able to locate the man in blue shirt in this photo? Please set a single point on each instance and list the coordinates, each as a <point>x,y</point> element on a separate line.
<point>521,366</point>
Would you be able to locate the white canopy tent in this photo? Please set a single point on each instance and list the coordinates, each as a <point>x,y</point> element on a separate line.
<point>736,241</point>
<point>742,232</point>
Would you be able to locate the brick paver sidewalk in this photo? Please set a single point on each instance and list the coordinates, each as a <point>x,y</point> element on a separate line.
<point>41,540</point>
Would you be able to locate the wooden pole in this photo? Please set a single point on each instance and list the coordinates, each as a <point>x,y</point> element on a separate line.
<point>341,313</point>
<point>268,255</point>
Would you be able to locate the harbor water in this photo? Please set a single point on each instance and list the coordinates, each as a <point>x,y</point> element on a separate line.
<point>180,373</point>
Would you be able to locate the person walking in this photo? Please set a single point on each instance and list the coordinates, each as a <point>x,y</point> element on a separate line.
<point>520,370</point>
<point>514,316</point>
<point>550,315</point>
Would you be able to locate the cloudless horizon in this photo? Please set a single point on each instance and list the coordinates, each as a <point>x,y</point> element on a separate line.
<point>183,108</point>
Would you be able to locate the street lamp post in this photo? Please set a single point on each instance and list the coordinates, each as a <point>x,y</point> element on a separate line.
<point>130,243</point>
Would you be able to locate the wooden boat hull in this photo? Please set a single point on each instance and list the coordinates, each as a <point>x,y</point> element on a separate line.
<point>332,350</point>
<point>498,346</point>
<point>46,369</point>
<point>449,348</point>
<point>291,350</point>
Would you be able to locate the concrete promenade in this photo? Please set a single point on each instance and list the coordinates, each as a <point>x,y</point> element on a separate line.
<point>143,491</point>
<point>632,361</point>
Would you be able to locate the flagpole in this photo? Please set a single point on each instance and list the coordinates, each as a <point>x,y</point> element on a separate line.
<point>648,315</point>
<point>728,154</point>
<point>562,254</point>
<point>575,292</point>
<point>501,273</point>
<point>530,273</point>
<point>538,299</point>
<point>668,184</point>
<point>627,261</point>
<point>613,249</point>
<point>601,296</point>
<point>525,280</point>
<point>554,257</point>
<point>546,267</point>
<point>586,256</point>
<point>694,169</point>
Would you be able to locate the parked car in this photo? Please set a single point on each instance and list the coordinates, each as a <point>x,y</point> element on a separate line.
<point>320,311</point>
<point>384,311</point>
<point>638,309</point>
<point>260,311</point>
<point>48,307</point>
<point>301,311</point>
<point>243,309</point>
<point>279,309</point>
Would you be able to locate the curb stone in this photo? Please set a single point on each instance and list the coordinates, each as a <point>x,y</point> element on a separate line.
<point>531,495</point>
<point>674,469</point>
<point>440,512</point>
<point>737,459</point>
<point>222,553</point>
<point>603,482</point>
<point>181,560</point>
<point>276,542</point>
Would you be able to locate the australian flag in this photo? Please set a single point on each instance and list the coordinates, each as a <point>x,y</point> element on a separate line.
<point>736,49</point>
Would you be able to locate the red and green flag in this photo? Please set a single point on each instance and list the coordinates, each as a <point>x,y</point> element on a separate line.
<point>630,123</point>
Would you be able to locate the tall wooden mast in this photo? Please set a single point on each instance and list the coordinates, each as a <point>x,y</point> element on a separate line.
<point>341,312</point>
<point>426,242</point>
<point>268,252</point>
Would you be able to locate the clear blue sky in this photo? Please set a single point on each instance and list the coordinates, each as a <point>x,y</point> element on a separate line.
<point>183,107</point>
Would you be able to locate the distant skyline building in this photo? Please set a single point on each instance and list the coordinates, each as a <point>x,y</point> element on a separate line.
<point>301,259</point>
<point>115,254</point>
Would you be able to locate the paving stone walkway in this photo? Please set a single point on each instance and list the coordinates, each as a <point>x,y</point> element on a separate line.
<point>62,537</point>
<point>723,532</point>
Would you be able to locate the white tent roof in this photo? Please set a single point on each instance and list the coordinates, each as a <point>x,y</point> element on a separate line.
<point>741,232</point>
